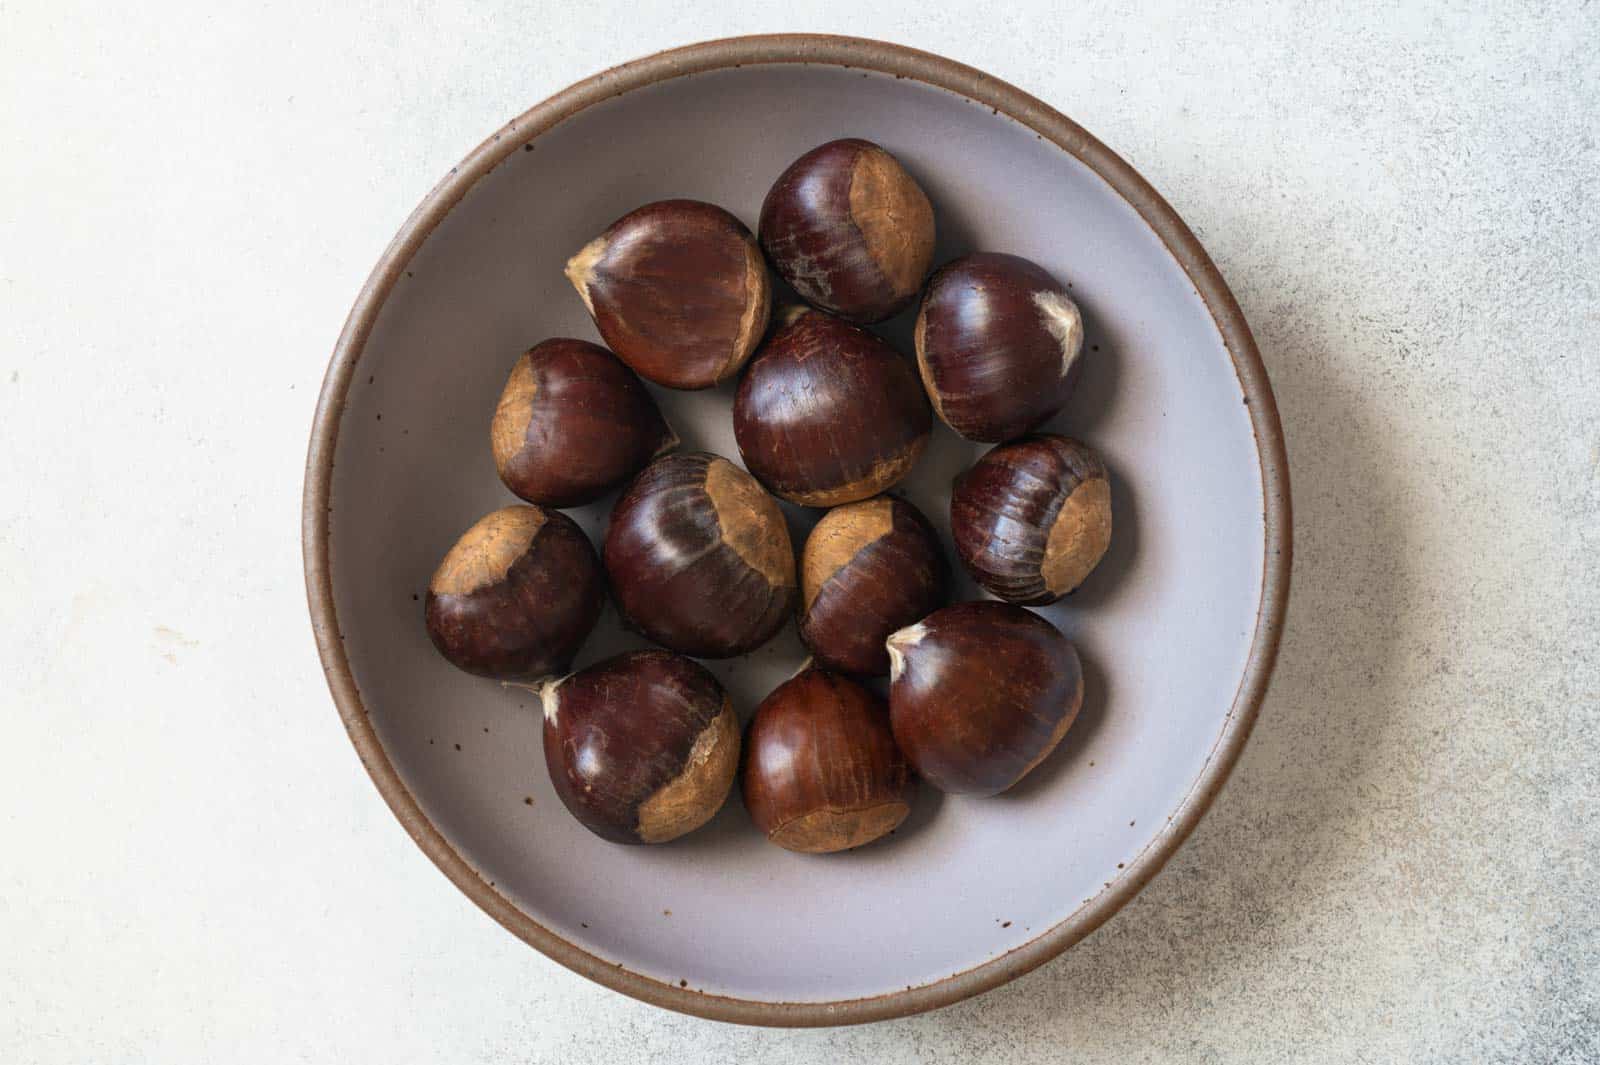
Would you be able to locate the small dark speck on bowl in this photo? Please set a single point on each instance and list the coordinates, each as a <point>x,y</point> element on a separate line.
<point>666,913</point>
<point>415,597</point>
<point>585,924</point>
<point>527,147</point>
<point>527,800</point>
<point>371,379</point>
<point>458,746</point>
<point>1005,924</point>
<point>1119,865</point>
<point>683,983</point>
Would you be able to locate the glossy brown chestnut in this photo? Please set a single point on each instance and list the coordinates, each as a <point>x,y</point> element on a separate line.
<point>998,343</point>
<point>821,769</point>
<point>850,230</point>
<point>679,291</point>
<point>573,423</point>
<point>828,414</point>
<point>867,570</point>
<point>699,557</point>
<point>642,748</point>
<point>517,594</point>
<point>980,693</point>
<point>1032,518</point>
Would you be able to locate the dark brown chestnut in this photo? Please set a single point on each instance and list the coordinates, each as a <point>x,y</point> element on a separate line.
<point>679,291</point>
<point>828,413</point>
<point>699,557</point>
<point>1032,518</point>
<point>573,423</point>
<point>517,594</point>
<point>850,230</point>
<point>998,343</point>
<point>821,769</point>
<point>980,693</point>
<point>643,747</point>
<point>867,570</point>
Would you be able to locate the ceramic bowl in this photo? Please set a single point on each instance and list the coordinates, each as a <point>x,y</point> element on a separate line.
<point>1177,628</point>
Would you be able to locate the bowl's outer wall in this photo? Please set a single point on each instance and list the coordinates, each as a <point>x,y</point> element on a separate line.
<point>1167,626</point>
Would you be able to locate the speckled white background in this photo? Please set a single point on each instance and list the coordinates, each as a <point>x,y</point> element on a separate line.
<point>1405,866</point>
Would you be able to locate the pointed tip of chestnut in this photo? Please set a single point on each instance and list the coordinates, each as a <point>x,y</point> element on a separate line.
<point>898,644</point>
<point>679,290</point>
<point>998,342</point>
<point>828,413</point>
<point>641,748</point>
<point>822,772</point>
<point>516,595</point>
<point>982,693</point>
<point>850,229</point>
<point>1032,519</point>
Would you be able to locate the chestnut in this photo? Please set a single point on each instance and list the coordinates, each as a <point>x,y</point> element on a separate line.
<point>828,413</point>
<point>850,230</point>
<point>1032,518</point>
<point>517,594</point>
<point>679,291</point>
<point>642,747</point>
<point>980,693</point>
<point>867,569</point>
<point>821,769</point>
<point>573,423</point>
<point>998,342</point>
<point>699,557</point>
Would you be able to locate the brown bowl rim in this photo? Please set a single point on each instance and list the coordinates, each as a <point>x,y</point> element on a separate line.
<point>903,62</point>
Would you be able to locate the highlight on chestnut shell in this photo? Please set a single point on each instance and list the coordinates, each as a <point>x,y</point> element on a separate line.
<point>999,345</point>
<point>828,413</point>
<point>1032,518</point>
<point>573,423</point>
<point>850,230</point>
<point>867,570</point>
<point>822,772</point>
<point>678,289</point>
<point>981,693</point>
<point>516,596</point>
<point>699,557</point>
<point>641,748</point>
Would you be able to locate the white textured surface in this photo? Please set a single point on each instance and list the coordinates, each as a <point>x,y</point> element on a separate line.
<point>1405,865</point>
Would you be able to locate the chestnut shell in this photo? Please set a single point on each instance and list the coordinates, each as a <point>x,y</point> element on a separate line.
<point>828,413</point>
<point>573,423</point>
<point>1032,518</point>
<point>516,596</point>
<point>641,748</point>
<point>867,570</point>
<point>998,344</point>
<point>678,289</point>
<point>822,772</point>
<point>850,230</point>
<point>981,693</point>
<point>699,557</point>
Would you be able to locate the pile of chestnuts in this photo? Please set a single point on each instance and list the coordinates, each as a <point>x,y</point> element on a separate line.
<point>646,746</point>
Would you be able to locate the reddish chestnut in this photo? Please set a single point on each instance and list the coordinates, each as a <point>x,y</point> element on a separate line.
<point>821,769</point>
<point>850,230</point>
<point>517,594</point>
<point>642,748</point>
<point>573,423</point>
<point>679,291</point>
<point>980,693</point>
<point>998,342</point>
<point>699,557</point>
<point>867,569</point>
<point>828,413</point>
<point>1032,518</point>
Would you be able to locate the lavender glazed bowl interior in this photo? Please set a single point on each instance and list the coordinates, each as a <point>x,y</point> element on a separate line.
<point>1176,627</point>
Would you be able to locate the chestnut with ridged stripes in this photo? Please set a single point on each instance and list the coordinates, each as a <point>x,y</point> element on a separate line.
<point>699,557</point>
<point>850,230</point>
<point>866,570</point>
<point>980,693</point>
<point>678,289</point>
<point>1031,519</point>
<point>573,423</point>
<point>516,596</point>
<point>828,413</point>
<point>641,748</point>
<point>999,344</point>
<point>822,772</point>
